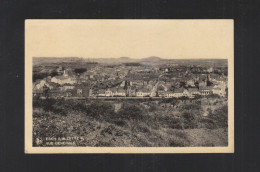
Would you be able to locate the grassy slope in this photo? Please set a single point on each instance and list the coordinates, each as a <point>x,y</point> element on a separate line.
<point>157,128</point>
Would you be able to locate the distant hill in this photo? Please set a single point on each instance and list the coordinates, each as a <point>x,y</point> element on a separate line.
<point>152,59</point>
<point>125,58</point>
<point>120,60</point>
<point>42,60</point>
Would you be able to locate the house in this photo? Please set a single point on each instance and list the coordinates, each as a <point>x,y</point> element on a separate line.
<point>194,91</point>
<point>167,86</point>
<point>121,92</point>
<point>203,83</point>
<point>186,93</point>
<point>63,80</point>
<point>169,94</point>
<point>210,69</point>
<point>37,92</point>
<point>131,91</point>
<point>206,90</point>
<point>162,87</point>
<point>160,93</point>
<point>56,93</point>
<point>219,91</point>
<point>40,84</point>
<point>67,87</point>
<point>137,83</point>
<point>79,92</point>
<point>143,92</point>
<point>109,93</point>
<point>122,84</point>
<point>101,93</point>
<point>82,90</point>
<point>191,83</point>
<point>178,92</point>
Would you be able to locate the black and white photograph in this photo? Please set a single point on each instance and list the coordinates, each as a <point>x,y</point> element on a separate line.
<point>129,86</point>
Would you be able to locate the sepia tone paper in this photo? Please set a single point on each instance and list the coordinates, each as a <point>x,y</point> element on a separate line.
<point>170,39</point>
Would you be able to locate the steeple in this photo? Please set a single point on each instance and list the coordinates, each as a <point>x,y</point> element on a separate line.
<point>65,73</point>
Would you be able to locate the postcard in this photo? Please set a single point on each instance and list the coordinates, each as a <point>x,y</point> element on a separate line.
<point>129,86</point>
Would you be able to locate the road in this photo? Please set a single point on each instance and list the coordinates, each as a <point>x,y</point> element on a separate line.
<point>153,92</point>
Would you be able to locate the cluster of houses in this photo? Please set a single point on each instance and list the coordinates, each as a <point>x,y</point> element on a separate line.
<point>144,92</point>
<point>71,86</point>
<point>146,89</point>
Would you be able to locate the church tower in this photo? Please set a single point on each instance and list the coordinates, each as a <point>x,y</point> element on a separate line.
<point>65,73</point>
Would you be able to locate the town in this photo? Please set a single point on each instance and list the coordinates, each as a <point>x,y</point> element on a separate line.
<point>130,102</point>
<point>143,79</point>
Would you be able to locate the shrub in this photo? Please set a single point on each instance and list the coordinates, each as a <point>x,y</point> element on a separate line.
<point>133,112</point>
<point>207,123</point>
<point>100,110</point>
<point>190,120</point>
<point>176,123</point>
<point>220,117</point>
<point>50,105</point>
<point>107,130</point>
<point>120,123</point>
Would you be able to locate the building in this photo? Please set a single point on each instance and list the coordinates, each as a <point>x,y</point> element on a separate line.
<point>67,87</point>
<point>79,92</point>
<point>41,83</point>
<point>122,84</point>
<point>101,93</point>
<point>131,91</point>
<point>37,92</point>
<point>206,90</point>
<point>109,93</point>
<point>191,83</point>
<point>186,93</point>
<point>219,91</point>
<point>203,83</point>
<point>142,92</point>
<point>169,94</point>
<point>160,93</point>
<point>194,91</point>
<point>178,92</point>
<point>121,92</point>
<point>63,80</point>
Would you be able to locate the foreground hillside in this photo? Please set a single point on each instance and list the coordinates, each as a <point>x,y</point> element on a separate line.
<point>164,123</point>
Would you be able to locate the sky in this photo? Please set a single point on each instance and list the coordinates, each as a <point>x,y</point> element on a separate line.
<point>170,39</point>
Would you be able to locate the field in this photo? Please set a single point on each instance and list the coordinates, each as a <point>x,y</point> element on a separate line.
<point>131,123</point>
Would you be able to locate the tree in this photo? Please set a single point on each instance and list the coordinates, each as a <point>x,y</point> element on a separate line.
<point>54,73</point>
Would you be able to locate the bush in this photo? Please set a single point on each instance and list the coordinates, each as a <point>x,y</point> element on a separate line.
<point>107,130</point>
<point>207,123</point>
<point>100,110</point>
<point>80,107</point>
<point>220,117</point>
<point>50,105</point>
<point>190,120</point>
<point>120,123</point>
<point>133,112</point>
<point>176,123</point>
